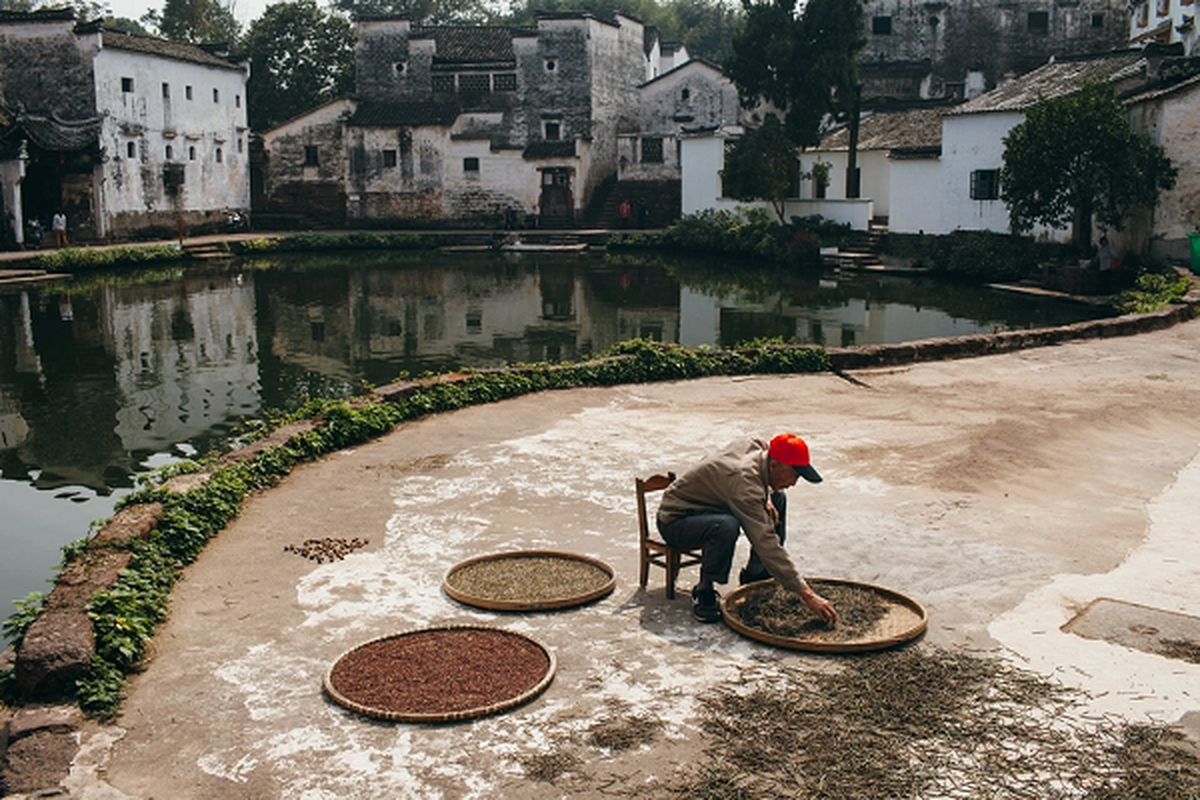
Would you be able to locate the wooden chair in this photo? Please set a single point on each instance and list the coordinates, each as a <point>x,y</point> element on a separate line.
<point>654,550</point>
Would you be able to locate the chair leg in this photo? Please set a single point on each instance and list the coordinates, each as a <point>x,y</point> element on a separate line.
<point>644,569</point>
<point>672,572</point>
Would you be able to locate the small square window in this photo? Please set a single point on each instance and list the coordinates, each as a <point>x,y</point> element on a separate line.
<point>187,92</point>
<point>126,84</point>
<point>170,153</point>
<point>1097,20</point>
<point>1039,21</point>
<point>239,145</point>
<point>399,67</point>
<point>470,164</point>
<point>551,65</point>
<point>389,159</point>
<point>652,150</point>
<point>310,155</point>
<point>216,95</point>
<point>881,26</point>
<point>192,153</point>
<point>220,156</point>
<point>505,82</point>
<point>237,101</point>
<point>131,149</point>
<point>443,84</point>
<point>1164,8</point>
<point>474,83</point>
<point>985,184</point>
<point>166,90</point>
<point>553,131</point>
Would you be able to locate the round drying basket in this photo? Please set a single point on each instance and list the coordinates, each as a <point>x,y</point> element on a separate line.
<point>440,674</point>
<point>529,580</point>
<point>900,619</point>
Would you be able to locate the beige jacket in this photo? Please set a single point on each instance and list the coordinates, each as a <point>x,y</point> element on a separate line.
<point>735,481</point>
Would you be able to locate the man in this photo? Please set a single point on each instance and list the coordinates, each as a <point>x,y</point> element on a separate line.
<point>59,225</point>
<point>740,489</point>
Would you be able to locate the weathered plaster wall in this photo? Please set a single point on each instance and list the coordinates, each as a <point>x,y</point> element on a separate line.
<point>961,36</point>
<point>204,137</point>
<point>1173,122</point>
<point>290,185</point>
<point>46,69</point>
<point>380,46</point>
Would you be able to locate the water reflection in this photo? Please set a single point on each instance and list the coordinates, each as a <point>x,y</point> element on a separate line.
<point>105,377</point>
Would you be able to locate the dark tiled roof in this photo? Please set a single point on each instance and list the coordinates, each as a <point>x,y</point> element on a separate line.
<point>907,131</point>
<point>396,115</point>
<point>56,134</point>
<point>42,15</point>
<point>1056,79</point>
<point>535,150</point>
<point>465,45</point>
<point>150,45</point>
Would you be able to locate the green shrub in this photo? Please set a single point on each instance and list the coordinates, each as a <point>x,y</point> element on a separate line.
<point>983,256</point>
<point>1152,292</point>
<point>74,259</point>
<point>750,231</point>
<point>359,240</point>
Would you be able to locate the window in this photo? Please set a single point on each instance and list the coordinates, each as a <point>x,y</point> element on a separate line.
<point>216,95</point>
<point>399,67</point>
<point>443,83</point>
<point>1164,8</point>
<point>474,82</point>
<point>310,155</point>
<point>471,164</point>
<point>389,159</point>
<point>685,94</point>
<point>166,90</point>
<point>126,84</point>
<point>551,65</point>
<point>1143,15</point>
<point>881,26</point>
<point>237,101</point>
<point>1097,20</point>
<point>220,156</point>
<point>239,145</point>
<point>652,150</point>
<point>191,153</point>
<point>187,92</point>
<point>985,184</point>
<point>553,130</point>
<point>504,82</point>
<point>131,149</point>
<point>1039,21</point>
<point>170,153</point>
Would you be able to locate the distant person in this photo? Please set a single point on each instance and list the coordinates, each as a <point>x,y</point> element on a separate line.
<point>33,233</point>
<point>624,210</point>
<point>1105,259</point>
<point>740,490</point>
<point>59,225</point>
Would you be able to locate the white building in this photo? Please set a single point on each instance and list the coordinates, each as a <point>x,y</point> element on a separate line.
<point>128,135</point>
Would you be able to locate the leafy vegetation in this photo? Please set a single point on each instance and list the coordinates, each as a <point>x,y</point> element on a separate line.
<point>751,232</point>
<point>762,165</point>
<point>983,256</point>
<point>73,259</point>
<point>1151,292</point>
<point>326,241</point>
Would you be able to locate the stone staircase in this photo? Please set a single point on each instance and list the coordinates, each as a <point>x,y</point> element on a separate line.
<point>861,249</point>
<point>207,251</point>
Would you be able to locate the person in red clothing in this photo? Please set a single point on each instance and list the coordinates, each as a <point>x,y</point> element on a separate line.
<point>740,489</point>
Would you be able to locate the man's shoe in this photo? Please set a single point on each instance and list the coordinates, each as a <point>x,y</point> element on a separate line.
<point>745,576</point>
<point>704,605</point>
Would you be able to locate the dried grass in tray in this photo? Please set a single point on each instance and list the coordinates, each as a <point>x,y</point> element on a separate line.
<point>529,580</point>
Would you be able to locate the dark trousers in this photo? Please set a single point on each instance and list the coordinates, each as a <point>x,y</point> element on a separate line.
<point>716,533</point>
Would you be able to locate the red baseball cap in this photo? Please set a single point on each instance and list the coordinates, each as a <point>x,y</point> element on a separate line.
<point>790,449</point>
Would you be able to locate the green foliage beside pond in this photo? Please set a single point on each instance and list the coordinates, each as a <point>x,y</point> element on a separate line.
<point>749,231</point>
<point>76,259</point>
<point>1152,292</point>
<point>358,240</point>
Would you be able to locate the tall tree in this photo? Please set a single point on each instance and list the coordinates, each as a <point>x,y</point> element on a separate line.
<point>761,165</point>
<point>803,62</point>
<point>196,21</point>
<point>300,58</point>
<point>1074,159</point>
<point>424,12</point>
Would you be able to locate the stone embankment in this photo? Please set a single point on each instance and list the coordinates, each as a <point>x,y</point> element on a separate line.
<point>38,740</point>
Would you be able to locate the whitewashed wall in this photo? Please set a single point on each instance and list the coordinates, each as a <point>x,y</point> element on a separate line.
<point>971,142</point>
<point>915,196</point>
<point>1171,121</point>
<point>208,136</point>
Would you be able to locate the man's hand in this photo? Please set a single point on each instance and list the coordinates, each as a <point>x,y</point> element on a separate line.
<point>819,605</point>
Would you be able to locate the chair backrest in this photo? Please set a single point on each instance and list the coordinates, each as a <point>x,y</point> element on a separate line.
<point>655,483</point>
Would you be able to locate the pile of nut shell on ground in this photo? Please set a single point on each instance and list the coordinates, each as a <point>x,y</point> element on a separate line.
<point>329,548</point>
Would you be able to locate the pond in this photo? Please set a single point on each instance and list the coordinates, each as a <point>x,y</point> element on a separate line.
<point>109,376</point>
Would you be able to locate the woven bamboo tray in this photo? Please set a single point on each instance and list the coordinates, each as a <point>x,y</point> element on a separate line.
<point>453,654</point>
<point>904,621</point>
<point>514,602</point>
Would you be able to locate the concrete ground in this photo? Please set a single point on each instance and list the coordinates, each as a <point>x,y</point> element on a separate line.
<point>1005,493</point>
